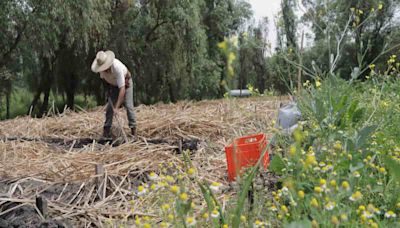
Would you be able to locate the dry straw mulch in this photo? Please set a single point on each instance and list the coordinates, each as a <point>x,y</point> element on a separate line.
<point>66,176</point>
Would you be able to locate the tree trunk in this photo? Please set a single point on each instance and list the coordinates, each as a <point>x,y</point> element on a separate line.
<point>260,75</point>
<point>34,101</point>
<point>8,95</point>
<point>70,100</point>
<point>71,88</point>
<point>222,81</point>
<point>171,92</point>
<point>1,106</point>
<point>45,103</point>
<point>44,87</point>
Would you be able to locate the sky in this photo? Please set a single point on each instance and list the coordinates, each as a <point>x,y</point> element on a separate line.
<point>267,8</point>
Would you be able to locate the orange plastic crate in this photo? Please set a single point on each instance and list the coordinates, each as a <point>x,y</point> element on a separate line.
<point>244,153</point>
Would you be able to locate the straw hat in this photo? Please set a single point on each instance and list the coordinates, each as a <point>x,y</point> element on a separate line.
<point>103,61</point>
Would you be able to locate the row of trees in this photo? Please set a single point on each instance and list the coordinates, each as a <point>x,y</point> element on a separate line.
<point>171,46</point>
<point>348,36</point>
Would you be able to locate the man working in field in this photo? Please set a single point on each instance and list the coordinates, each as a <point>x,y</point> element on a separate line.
<point>120,90</point>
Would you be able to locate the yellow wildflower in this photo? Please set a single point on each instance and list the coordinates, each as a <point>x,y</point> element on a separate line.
<point>322,182</point>
<point>169,179</point>
<point>310,160</point>
<point>215,186</point>
<point>337,145</point>
<point>215,213</point>
<point>137,221</point>
<point>298,136</point>
<point>141,190</point>
<point>330,205</point>
<point>243,218</point>
<point>317,84</point>
<point>343,217</point>
<point>350,157</point>
<point>165,206</point>
<point>380,6</point>
<point>314,202</point>
<point>363,217</point>
<point>284,209</point>
<point>191,172</point>
<point>174,189</point>
<point>335,220</point>
<point>300,194</point>
<point>231,57</point>
<point>292,150</point>
<point>307,84</point>
<point>153,187</point>
<point>223,45</point>
<point>332,183</point>
<point>231,71</point>
<point>164,224</point>
<point>390,214</point>
<point>257,223</point>
<point>346,185</point>
<point>382,170</point>
<point>146,225</point>
<point>314,224</point>
<point>205,216</point>
<point>183,197</point>
<point>153,176</point>
<point>318,189</point>
<point>356,196</point>
<point>190,221</point>
<point>162,184</point>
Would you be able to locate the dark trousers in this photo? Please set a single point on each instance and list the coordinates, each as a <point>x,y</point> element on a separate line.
<point>113,93</point>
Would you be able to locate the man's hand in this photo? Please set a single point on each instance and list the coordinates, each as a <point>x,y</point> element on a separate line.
<point>121,97</point>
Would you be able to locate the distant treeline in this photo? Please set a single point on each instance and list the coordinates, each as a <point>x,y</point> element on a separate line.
<point>171,47</point>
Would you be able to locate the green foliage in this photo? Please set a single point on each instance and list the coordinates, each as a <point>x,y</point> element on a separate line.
<point>277,164</point>
<point>169,46</point>
<point>362,30</point>
<point>394,168</point>
<point>21,98</point>
<point>299,224</point>
<point>343,138</point>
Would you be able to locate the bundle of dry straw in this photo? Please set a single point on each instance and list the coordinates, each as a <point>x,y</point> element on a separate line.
<point>30,167</point>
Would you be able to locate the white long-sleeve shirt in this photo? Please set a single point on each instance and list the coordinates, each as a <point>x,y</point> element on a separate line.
<point>117,75</point>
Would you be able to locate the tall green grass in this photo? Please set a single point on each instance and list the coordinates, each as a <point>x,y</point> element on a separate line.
<point>21,99</point>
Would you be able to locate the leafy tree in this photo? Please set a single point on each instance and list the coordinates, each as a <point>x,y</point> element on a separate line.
<point>361,30</point>
<point>169,46</point>
<point>252,57</point>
